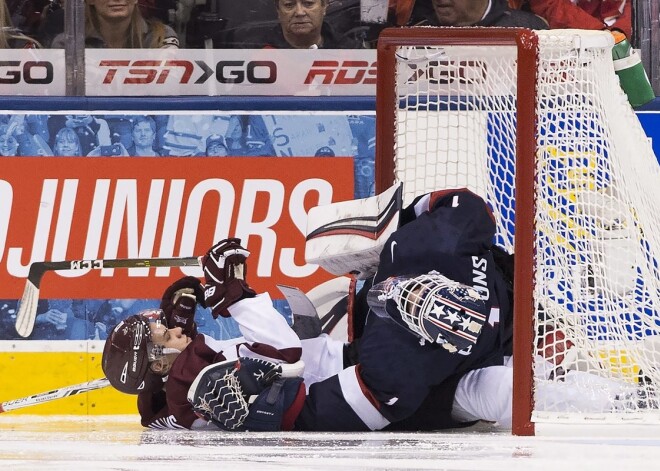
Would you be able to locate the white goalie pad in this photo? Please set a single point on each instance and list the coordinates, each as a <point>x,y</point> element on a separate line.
<point>347,237</point>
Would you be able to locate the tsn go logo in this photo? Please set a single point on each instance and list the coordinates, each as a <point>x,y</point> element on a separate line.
<point>158,71</point>
<point>234,72</point>
<point>30,72</point>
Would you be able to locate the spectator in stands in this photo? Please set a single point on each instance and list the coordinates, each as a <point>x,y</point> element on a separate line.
<point>215,146</point>
<point>185,135</point>
<point>91,319</point>
<point>248,135</point>
<point>16,139</point>
<point>120,25</point>
<point>52,22</point>
<point>67,143</point>
<point>10,37</point>
<point>92,131</point>
<point>55,321</point>
<point>26,15</point>
<point>302,25</point>
<point>585,14</point>
<point>144,136</point>
<point>8,308</point>
<point>465,13</point>
<point>8,143</point>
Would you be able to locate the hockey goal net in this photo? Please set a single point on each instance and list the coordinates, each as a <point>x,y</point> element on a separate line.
<point>536,123</point>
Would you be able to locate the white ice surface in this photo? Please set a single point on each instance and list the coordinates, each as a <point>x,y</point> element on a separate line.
<point>119,443</point>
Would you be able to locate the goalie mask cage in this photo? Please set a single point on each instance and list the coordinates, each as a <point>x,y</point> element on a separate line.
<point>536,123</point>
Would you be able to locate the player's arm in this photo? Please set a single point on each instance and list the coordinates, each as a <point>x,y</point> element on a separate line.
<point>179,302</point>
<point>227,293</point>
<point>154,412</point>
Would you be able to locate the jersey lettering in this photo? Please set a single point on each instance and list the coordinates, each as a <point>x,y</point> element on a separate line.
<point>479,280</point>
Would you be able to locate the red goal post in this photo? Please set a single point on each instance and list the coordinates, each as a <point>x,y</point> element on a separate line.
<point>522,118</point>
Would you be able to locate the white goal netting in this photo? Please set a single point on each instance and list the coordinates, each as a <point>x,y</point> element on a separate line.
<point>597,190</point>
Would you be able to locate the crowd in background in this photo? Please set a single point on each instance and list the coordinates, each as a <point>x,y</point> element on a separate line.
<point>311,24</point>
<point>246,24</point>
<point>199,135</point>
<point>93,319</point>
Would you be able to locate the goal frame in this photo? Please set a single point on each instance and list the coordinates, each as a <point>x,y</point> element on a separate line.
<point>526,44</point>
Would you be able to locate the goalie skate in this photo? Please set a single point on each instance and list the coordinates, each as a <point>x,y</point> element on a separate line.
<point>437,309</point>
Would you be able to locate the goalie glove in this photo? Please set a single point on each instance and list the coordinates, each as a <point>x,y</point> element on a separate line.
<point>224,271</point>
<point>246,394</point>
<point>433,307</point>
<point>179,302</point>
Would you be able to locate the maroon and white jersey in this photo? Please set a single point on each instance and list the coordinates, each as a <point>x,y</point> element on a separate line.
<point>266,335</point>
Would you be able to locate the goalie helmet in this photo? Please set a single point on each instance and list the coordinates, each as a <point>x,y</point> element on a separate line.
<point>128,351</point>
<point>432,306</point>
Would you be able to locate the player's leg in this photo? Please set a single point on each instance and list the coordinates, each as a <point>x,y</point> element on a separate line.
<point>262,325</point>
<point>485,394</point>
<point>391,380</point>
<point>323,357</point>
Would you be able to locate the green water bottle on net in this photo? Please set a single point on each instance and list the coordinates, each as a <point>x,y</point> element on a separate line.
<point>630,70</point>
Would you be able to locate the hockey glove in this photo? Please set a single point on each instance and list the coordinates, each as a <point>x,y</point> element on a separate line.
<point>179,302</point>
<point>224,271</point>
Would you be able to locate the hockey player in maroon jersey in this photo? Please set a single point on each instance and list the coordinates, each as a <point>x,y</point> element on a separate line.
<point>144,348</point>
<point>158,353</point>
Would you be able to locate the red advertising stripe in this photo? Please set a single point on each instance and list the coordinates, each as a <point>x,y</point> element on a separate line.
<point>89,208</point>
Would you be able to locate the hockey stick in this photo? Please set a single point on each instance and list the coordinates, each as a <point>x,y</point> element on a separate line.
<point>27,310</point>
<point>54,394</point>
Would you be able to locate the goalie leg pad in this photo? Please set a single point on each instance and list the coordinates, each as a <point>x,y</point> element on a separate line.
<point>277,407</point>
<point>221,391</point>
<point>216,395</point>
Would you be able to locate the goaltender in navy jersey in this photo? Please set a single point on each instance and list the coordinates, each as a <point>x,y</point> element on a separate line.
<point>397,379</point>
